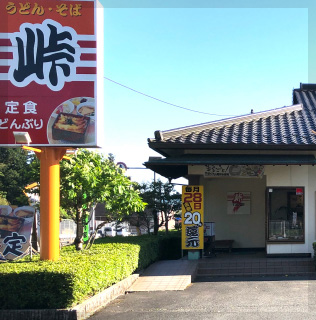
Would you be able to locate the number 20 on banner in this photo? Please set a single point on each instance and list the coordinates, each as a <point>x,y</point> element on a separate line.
<point>192,217</point>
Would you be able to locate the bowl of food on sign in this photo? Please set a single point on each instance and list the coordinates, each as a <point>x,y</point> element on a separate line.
<point>26,213</point>
<point>86,109</point>
<point>77,101</point>
<point>5,210</point>
<point>65,107</point>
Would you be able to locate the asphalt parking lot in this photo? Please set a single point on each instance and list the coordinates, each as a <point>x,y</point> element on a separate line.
<point>222,298</point>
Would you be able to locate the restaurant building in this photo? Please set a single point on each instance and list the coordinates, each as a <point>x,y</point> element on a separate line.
<point>258,172</point>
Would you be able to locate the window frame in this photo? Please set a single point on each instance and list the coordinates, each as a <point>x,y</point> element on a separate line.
<point>289,190</point>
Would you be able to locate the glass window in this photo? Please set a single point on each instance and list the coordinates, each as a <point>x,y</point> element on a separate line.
<point>285,214</point>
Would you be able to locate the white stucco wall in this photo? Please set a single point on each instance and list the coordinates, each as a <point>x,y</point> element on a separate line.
<point>249,230</point>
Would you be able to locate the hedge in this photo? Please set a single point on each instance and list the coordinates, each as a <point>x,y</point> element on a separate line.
<point>36,284</point>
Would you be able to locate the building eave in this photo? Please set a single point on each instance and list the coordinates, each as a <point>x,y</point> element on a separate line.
<point>175,167</point>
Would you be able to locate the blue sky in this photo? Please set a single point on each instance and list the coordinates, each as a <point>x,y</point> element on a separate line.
<point>221,61</point>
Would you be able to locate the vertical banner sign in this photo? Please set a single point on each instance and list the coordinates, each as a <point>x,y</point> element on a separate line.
<point>48,72</point>
<point>15,231</point>
<point>192,217</point>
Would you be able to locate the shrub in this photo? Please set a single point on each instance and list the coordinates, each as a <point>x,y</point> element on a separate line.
<point>59,284</point>
<point>170,246</point>
<point>77,275</point>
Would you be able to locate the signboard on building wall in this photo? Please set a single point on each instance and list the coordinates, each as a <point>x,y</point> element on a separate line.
<point>231,171</point>
<point>238,202</point>
<point>192,217</point>
<point>48,72</point>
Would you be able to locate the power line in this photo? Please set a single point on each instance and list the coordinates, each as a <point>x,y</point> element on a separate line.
<point>171,104</point>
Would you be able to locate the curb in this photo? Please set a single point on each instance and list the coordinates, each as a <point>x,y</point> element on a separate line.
<point>80,312</point>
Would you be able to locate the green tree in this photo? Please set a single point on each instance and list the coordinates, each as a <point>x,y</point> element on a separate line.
<point>141,220</point>
<point>161,198</point>
<point>89,178</point>
<point>3,200</point>
<point>14,175</point>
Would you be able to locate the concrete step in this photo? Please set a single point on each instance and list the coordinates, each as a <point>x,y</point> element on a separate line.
<point>166,275</point>
<point>256,267</point>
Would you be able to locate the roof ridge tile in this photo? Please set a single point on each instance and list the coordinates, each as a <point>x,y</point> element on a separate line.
<point>226,123</point>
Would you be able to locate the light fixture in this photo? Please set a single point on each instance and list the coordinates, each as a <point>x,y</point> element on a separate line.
<point>22,137</point>
<point>72,151</point>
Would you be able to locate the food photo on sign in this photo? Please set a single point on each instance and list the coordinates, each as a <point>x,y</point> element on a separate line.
<point>48,72</point>
<point>72,121</point>
<point>15,231</point>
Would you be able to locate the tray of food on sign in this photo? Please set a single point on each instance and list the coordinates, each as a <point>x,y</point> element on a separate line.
<point>73,122</point>
<point>15,220</point>
<point>10,224</point>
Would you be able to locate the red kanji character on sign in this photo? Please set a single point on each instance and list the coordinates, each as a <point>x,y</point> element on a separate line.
<point>197,206</point>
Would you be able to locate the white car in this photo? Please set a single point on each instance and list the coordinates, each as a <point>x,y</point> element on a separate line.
<point>109,232</point>
<point>122,232</point>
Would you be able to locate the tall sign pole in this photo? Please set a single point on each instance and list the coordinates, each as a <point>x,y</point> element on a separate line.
<point>50,201</point>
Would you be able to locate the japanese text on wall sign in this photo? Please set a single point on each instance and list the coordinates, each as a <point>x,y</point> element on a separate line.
<point>26,9</point>
<point>217,170</point>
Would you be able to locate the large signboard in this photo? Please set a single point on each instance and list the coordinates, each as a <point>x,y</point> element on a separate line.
<point>48,72</point>
<point>15,231</point>
<point>233,171</point>
<point>192,217</point>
